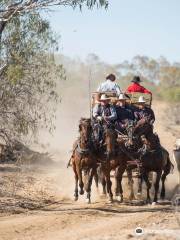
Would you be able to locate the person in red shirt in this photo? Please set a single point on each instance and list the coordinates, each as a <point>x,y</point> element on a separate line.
<point>136,87</point>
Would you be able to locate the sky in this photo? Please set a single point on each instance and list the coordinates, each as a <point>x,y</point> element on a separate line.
<point>126,29</point>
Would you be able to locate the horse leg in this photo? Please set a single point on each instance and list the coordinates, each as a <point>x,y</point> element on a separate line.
<point>163,191</point>
<point>156,185</point>
<point>116,176</point>
<point>120,188</point>
<point>140,182</point>
<point>103,182</point>
<point>89,183</point>
<point>109,185</point>
<point>81,184</point>
<point>131,184</point>
<point>148,185</point>
<point>76,183</point>
<point>122,169</point>
<point>118,185</point>
<point>100,174</point>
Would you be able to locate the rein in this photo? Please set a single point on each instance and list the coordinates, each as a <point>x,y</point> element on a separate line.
<point>120,133</point>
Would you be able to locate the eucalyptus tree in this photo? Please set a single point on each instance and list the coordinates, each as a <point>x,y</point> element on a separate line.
<point>29,75</point>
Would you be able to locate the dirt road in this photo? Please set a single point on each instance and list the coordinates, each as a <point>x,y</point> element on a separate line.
<point>47,211</point>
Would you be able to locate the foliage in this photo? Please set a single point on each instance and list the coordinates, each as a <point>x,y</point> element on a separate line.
<point>158,75</point>
<point>28,72</point>
<point>28,95</point>
<point>171,94</point>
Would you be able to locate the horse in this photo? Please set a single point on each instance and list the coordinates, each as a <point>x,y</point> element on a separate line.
<point>154,158</point>
<point>84,159</point>
<point>103,155</point>
<point>116,159</point>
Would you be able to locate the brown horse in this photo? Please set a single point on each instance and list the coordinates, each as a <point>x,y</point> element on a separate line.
<point>104,155</point>
<point>116,159</point>
<point>83,159</point>
<point>154,158</point>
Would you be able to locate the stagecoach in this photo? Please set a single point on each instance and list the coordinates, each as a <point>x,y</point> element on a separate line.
<point>132,99</point>
<point>89,156</point>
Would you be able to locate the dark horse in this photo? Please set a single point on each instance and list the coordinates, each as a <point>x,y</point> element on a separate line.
<point>154,158</point>
<point>84,159</point>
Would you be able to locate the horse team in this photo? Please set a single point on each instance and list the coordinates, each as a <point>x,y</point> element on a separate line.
<point>139,149</point>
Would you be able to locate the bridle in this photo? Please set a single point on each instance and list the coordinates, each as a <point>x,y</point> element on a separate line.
<point>85,150</point>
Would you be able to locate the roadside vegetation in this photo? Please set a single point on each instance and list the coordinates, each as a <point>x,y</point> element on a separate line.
<point>29,75</point>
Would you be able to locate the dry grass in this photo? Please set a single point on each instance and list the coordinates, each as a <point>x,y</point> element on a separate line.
<point>23,188</point>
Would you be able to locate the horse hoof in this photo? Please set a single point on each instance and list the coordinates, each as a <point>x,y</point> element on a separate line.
<point>87,200</point>
<point>75,198</point>
<point>154,203</point>
<point>110,200</point>
<point>81,192</point>
<point>119,199</point>
<point>148,202</point>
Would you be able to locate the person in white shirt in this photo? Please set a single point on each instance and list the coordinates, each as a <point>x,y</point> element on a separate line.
<point>110,85</point>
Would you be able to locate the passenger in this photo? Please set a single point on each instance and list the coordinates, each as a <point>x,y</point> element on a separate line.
<point>136,87</point>
<point>124,114</point>
<point>110,85</point>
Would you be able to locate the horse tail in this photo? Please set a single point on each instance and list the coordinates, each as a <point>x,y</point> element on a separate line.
<point>169,168</point>
<point>69,162</point>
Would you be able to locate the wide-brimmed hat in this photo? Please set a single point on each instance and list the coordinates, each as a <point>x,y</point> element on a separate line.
<point>136,79</point>
<point>122,97</point>
<point>111,77</point>
<point>141,100</point>
<point>104,98</point>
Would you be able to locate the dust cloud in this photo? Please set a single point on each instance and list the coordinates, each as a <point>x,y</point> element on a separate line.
<point>74,105</point>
